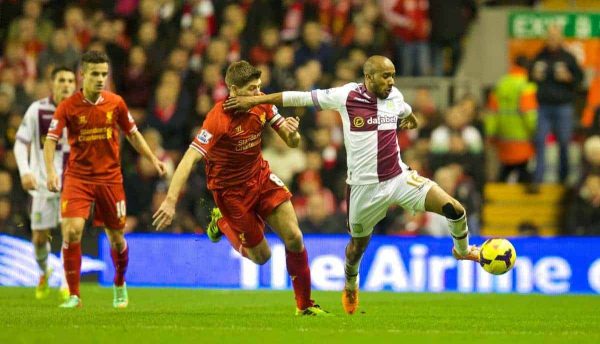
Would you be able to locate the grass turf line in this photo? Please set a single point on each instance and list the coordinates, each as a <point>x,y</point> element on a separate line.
<point>222,316</point>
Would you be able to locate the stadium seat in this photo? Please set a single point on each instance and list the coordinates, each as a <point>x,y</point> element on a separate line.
<point>507,206</point>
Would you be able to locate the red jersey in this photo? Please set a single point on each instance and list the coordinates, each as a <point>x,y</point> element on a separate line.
<point>231,143</point>
<point>93,136</point>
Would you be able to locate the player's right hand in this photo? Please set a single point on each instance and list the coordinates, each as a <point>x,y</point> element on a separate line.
<point>53,182</point>
<point>164,215</point>
<point>238,103</point>
<point>28,182</point>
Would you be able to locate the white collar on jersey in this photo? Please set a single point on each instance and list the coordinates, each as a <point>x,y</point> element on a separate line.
<point>98,101</point>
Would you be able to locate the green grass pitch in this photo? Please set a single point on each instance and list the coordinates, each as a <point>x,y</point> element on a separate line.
<point>223,316</point>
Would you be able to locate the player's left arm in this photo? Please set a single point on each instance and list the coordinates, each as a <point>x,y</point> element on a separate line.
<point>408,120</point>
<point>141,146</point>
<point>288,131</point>
<point>127,124</point>
<point>286,128</point>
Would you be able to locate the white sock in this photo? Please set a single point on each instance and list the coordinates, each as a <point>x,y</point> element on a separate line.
<point>351,272</point>
<point>41,256</point>
<point>460,234</point>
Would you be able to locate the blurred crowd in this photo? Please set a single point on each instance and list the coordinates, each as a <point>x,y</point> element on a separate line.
<point>168,61</point>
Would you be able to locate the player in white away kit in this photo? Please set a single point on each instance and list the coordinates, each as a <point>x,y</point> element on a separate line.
<point>377,178</point>
<point>45,207</point>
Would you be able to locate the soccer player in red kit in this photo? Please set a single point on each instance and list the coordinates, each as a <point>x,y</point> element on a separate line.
<point>244,189</point>
<point>93,117</point>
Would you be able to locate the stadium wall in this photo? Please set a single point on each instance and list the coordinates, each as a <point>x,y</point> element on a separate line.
<point>402,264</point>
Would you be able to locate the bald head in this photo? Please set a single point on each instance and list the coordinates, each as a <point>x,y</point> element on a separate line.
<point>554,36</point>
<point>376,63</point>
<point>379,74</point>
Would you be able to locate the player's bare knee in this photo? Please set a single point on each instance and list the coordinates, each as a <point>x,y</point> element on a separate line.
<point>117,244</point>
<point>293,241</point>
<point>453,210</point>
<point>116,238</point>
<point>71,232</point>
<point>38,239</point>
<point>262,258</point>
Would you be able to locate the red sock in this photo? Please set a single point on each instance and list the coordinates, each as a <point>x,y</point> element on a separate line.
<point>297,266</point>
<point>120,261</point>
<point>72,264</point>
<point>235,242</point>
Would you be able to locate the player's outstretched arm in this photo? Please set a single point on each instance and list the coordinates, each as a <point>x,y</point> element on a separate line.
<point>165,213</point>
<point>49,149</point>
<point>243,103</point>
<point>281,99</point>
<point>289,132</point>
<point>139,143</point>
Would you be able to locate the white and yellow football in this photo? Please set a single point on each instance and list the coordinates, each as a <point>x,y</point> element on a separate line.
<point>497,256</point>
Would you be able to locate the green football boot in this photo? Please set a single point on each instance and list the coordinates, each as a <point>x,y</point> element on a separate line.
<point>314,310</point>
<point>72,302</point>
<point>120,297</point>
<point>212,231</point>
<point>42,290</point>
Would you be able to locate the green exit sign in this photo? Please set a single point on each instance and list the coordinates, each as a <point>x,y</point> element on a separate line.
<point>526,24</point>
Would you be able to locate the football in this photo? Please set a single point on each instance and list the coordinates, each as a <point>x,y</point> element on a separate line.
<point>497,256</point>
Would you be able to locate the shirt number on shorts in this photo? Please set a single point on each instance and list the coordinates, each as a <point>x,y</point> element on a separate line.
<point>415,180</point>
<point>121,210</point>
<point>276,180</point>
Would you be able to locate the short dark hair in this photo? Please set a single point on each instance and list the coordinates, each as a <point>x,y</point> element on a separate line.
<point>240,73</point>
<point>59,69</point>
<point>94,56</point>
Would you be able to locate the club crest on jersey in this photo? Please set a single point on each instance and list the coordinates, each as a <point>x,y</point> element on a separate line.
<point>358,122</point>
<point>238,129</point>
<point>53,124</point>
<point>204,136</point>
<point>263,118</point>
<point>81,119</point>
<point>109,116</point>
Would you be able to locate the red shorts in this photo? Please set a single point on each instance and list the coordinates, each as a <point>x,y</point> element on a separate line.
<point>109,199</point>
<point>244,207</point>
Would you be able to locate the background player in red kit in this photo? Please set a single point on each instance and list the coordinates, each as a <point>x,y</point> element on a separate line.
<point>244,189</point>
<point>92,118</point>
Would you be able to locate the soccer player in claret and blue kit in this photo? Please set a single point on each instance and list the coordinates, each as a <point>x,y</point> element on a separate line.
<point>29,153</point>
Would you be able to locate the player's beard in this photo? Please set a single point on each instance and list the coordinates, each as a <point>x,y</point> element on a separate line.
<point>384,92</point>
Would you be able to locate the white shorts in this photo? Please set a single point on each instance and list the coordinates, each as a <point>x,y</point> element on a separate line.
<point>369,203</point>
<point>45,212</point>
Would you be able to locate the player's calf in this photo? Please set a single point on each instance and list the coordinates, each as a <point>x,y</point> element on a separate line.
<point>457,221</point>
